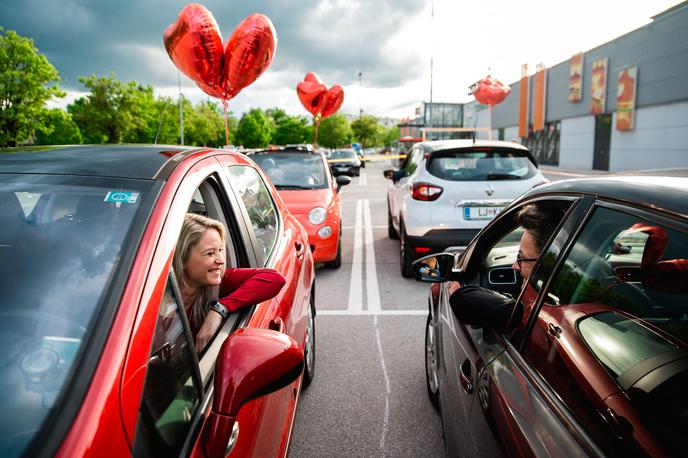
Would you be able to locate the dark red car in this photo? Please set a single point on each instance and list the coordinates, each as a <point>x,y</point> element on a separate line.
<point>597,362</point>
<point>87,236</point>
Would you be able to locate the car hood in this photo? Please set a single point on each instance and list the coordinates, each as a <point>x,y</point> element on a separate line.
<point>300,202</point>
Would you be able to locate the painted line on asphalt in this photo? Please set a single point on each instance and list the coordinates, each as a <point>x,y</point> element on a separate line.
<point>372,287</point>
<point>388,390</point>
<point>356,286</point>
<point>368,313</point>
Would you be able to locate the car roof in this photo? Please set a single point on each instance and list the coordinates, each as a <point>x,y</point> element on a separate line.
<point>655,189</point>
<point>124,161</point>
<point>439,145</point>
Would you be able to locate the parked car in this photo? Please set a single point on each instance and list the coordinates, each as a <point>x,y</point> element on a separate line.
<point>311,194</point>
<point>446,191</point>
<point>87,235</point>
<point>344,162</point>
<point>594,360</point>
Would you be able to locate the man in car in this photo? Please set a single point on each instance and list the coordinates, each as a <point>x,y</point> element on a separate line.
<point>485,307</point>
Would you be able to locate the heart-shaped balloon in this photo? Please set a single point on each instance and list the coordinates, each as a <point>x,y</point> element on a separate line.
<point>311,92</point>
<point>490,91</point>
<point>333,101</point>
<point>194,44</point>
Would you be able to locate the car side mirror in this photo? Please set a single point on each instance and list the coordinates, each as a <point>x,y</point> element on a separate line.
<point>394,175</point>
<point>342,180</point>
<point>251,363</point>
<point>434,268</point>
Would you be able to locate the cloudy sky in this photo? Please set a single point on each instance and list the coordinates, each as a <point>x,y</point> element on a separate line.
<point>390,42</point>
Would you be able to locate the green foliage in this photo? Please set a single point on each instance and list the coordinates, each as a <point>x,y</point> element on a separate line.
<point>390,136</point>
<point>205,126</point>
<point>27,82</point>
<point>366,130</point>
<point>254,130</point>
<point>334,131</point>
<point>115,111</point>
<point>58,128</point>
<point>289,129</point>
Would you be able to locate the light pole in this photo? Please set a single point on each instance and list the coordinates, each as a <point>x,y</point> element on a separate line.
<point>360,107</point>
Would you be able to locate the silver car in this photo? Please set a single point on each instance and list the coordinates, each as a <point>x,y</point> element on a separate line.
<point>447,191</point>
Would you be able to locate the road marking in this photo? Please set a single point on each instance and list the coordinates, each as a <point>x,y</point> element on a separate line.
<point>357,199</point>
<point>363,179</point>
<point>385,421</point>
<point>369,313</point>
<point>356,286</point>
<point>372,287</point>
<point>372,227</point>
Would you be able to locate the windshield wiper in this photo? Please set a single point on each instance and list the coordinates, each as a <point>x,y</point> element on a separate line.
<point>502,176</point>
<point>291,186</point>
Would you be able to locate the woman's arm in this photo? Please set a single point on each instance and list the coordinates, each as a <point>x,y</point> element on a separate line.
<point>241,287</point>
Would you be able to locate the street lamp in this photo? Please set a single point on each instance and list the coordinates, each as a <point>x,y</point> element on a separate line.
<point>360,107</point>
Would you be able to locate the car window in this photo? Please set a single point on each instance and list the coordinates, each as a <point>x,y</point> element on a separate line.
<point>293,170</point>
<point>470,165</point>
<point>171,393</point>
<point>343,154</point>
<point>61,241</point>
<point>413,161</point>
<point>615,319</point>
<point>261,209</point>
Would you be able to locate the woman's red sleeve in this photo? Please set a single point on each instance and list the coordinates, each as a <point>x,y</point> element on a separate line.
<point>242,287</point>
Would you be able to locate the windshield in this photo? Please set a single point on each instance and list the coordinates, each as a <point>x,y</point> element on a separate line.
<point>293,170</point>
<point>343,154</point>
<point>61,240</point>
<point>467,165</point>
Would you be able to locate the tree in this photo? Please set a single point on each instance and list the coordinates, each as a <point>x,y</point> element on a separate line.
<point>366,130</point>
<point>255,129</point>
<point>27,82</point>
<point>206,126</point>
<point>334,131</point>
<point>390,136</point>
<point>58,128</point>
<point>116,111</point>
<point>291,129</point>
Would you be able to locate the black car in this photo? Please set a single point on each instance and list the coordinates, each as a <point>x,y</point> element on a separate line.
<point>592,358</point>
<point>344,162</point>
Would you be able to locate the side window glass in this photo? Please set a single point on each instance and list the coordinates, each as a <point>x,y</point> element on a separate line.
<point>412,164</point>
<point>170,394</point>
<point>259,205</point>
<point>615,319</point>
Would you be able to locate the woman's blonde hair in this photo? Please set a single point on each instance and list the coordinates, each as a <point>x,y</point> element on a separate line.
<point>192,230</point>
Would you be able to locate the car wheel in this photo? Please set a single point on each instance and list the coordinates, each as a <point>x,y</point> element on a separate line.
<point>431,377</point>
<point>337,262</point>
<point>391,232</point>
<point>357,172</point>
<point>405,256</point>
<point>309,347</point>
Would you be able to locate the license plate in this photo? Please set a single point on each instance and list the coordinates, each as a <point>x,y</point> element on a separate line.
<point>478,213</point>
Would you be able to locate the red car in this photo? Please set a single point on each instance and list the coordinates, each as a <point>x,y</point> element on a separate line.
<point>98,359</point>
<point>592,357</point>
<point>304,182</point>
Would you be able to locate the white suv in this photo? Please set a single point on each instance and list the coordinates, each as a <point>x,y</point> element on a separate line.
<point>446,191</point>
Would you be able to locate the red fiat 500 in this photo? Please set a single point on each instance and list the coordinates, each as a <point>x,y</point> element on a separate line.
<point>303,180</point>
<point>99,359</point>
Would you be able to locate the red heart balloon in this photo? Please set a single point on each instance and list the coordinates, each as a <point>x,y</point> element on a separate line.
<point>249,52</point>
<point>312,93</point>
<point>490,91</point>
<point>333,100</point>
<point>194,44</point>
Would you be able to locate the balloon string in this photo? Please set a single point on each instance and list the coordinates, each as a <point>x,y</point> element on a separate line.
<point>225,103</point>
<point>317,124</point>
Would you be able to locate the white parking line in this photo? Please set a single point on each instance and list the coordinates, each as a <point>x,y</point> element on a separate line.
<point>388,391</point>
<point>372,287</point>
<point>356,286</point>
<point>369,313</point>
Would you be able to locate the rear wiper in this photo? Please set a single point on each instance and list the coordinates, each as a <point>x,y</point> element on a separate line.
<point>291,186</point>
<point>502,176</point>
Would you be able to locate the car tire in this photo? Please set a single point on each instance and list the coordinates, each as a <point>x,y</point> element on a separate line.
<point>337,262</point>
<point>309,346</point>
<point>431,377</point>
<point>405,256</point>
<point>391,232</point>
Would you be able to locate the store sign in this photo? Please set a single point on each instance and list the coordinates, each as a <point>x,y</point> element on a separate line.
<point>625,99</point>
<point>576,78</point>
<point>598,86</point>
<point>523,103</point>
<point>539,97</point>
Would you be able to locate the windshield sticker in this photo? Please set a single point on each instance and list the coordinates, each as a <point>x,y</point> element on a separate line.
<point>121,196</point>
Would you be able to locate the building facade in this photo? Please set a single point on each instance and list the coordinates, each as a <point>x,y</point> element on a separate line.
<point>620,106</point>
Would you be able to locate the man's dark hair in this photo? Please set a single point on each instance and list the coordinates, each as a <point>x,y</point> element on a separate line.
<point>540,221</point>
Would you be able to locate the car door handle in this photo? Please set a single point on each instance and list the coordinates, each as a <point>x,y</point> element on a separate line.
<point>553,330</point>
<point>276,324</point>
<point>466,378</point>
<point>299,249</point>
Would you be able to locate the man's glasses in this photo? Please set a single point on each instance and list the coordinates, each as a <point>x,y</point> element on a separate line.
<point>520,261</point>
